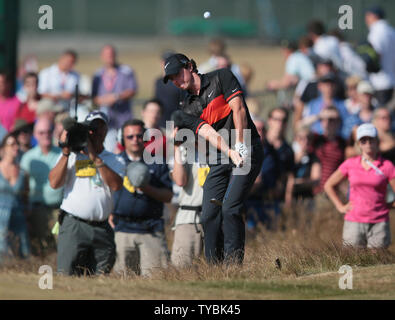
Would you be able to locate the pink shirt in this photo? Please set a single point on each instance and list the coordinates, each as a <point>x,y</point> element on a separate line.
<point>367,190</point>
<point>8,110</point>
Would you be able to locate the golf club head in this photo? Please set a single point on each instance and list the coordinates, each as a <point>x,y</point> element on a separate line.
<point>215,201</point>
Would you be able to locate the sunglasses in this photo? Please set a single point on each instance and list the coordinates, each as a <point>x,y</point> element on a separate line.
<point>11,143</point>
<point>330,119</point>
<point>283,120</point>
<point>383,117</point>
<point>138,136</point>
<point>44,132</point>
<point>364,140</point>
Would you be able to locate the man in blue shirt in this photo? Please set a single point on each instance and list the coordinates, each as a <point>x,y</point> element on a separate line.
<point>261,199</point>
<point>44,201</point>
<point>326,87</point>
<point>281,191</point>
<point>113,87</point>
<point>167,93</point>
<point>298,67</point>
<point>138,212</point>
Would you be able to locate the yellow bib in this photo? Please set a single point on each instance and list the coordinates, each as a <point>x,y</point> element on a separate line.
<point>202,175</point>
<point>85,168</point>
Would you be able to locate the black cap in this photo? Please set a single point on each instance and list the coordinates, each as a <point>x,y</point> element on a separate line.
<point>166,54</point>
<point>376,10</point>
<point>290,45</point>
<point>322,60</point>
<point>174,64</point>
<point>329,77</point>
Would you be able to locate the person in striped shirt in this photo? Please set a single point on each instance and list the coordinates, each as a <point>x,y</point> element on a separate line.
<point>329,147</point>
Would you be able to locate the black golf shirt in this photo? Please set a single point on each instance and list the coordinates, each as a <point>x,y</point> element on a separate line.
<point>211,105</point>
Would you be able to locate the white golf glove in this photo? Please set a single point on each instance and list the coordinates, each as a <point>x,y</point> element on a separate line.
<point>241,148</point>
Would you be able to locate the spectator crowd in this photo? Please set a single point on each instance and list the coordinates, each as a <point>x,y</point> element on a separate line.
<point>111,222</point>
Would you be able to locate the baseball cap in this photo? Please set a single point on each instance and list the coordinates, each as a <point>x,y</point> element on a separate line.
<point>366,130</point>
<point>365,87</point>
<point>45,105</point>
<point>21,125</point>
<point>323,60</point>
<point>376,10</point>
<point>96,115</point>
<point>166,54</point>
<point>173,65</point>
<point>329,77</point>
<point>290,45</point>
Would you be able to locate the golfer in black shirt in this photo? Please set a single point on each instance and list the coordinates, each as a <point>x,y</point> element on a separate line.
<point>215,102</point>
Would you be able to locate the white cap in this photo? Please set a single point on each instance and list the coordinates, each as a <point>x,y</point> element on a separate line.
<point>365,87</point>
<point>96,115</point>
<point>48,105</point>
<point>366,130</point>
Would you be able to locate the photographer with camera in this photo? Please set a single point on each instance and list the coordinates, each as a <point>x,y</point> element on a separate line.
<point>90,177</point>
<point>138,211</point>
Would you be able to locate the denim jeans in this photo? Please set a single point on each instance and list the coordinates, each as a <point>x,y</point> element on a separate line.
<point>4,223</point>
<point>13,220</point>
<point>18,227</point>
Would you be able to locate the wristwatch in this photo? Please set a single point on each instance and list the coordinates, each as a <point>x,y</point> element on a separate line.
<point>100,165</point>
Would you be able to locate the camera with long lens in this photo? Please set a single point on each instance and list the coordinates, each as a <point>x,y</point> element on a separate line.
<point>77,135</point>
<point>77,132</point>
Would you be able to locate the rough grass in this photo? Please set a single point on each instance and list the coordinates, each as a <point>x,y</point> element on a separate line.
<point>308,247</point>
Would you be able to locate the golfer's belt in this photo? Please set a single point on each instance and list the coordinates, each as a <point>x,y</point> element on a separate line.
<point>197,210</point>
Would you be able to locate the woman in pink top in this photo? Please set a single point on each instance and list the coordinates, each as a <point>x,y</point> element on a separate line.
<point>9,105</point>
<point>367,212</point>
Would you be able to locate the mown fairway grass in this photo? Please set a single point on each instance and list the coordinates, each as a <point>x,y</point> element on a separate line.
<point>375,282</point>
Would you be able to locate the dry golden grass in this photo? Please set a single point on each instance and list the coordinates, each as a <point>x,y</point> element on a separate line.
<point>304,242</point>
<point>307,245</point>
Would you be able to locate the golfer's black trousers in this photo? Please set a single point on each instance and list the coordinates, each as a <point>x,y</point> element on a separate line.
<point>224,227</point>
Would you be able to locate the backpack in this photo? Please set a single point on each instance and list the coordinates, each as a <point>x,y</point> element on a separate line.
<point>370,56</point>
